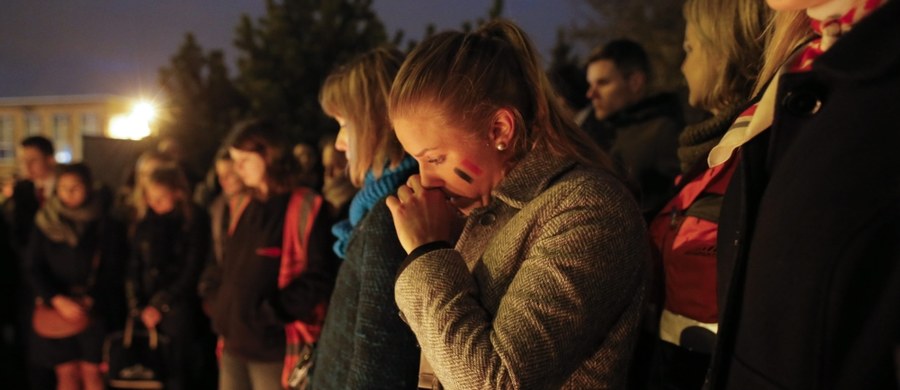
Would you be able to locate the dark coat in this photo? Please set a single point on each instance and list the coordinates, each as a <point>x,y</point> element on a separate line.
<point>249,310</point>
<point>364,343</point>
<point>810,231</point>
<point>642,140</point>
<point>167,257</point>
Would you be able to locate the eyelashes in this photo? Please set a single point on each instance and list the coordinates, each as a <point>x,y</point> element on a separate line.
<point>436,160</point>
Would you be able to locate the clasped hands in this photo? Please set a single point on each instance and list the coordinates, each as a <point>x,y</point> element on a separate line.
<point>422,215</point>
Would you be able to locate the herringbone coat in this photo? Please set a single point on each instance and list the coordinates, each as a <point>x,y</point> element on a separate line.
<point>543,290</point>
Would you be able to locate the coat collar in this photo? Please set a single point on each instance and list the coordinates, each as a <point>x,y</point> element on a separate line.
<point>530,177</point>
<point>869,50</point>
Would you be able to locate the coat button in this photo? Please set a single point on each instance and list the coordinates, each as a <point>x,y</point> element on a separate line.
<point>488,219</point>
<point>802,102</point>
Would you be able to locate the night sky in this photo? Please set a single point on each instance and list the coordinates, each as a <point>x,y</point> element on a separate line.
<point>66,47</point>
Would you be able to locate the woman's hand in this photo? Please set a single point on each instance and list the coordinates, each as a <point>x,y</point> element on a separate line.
<point>150,316</point>
<point>68,308</point>
<point>422,215</point>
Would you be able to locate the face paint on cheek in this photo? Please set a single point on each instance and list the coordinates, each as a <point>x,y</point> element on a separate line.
<point>471,167</point>
<point>463,175</point>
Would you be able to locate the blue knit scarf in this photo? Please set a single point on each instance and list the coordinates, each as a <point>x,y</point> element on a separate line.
<point>372,191</point>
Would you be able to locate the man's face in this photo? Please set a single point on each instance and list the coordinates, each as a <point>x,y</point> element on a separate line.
<point>611,91</point>
<point>34,164</point>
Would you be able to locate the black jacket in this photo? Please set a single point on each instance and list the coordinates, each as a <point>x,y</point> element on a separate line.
<point>642,140</point>
<point>810,230</point>
<point>248,308</point>
<point>167,257</point>
<point>55,268</point>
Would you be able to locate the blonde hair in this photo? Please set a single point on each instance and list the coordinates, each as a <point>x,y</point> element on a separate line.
<point>358,92</point>
<point>469,76</point>
<point>138,202</point>
<point>172,177</point>
<point>789,30</point>
<point>733,34</point>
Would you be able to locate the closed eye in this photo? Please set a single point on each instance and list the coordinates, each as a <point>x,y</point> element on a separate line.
<point>435,160</point>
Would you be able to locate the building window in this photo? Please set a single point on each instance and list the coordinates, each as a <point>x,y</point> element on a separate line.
<point>33,124</point>
<point>62,138</point>
<point>90,124</point>
<point>7,140</point>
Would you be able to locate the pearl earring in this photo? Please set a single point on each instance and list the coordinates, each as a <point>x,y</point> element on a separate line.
<point>501,146</point>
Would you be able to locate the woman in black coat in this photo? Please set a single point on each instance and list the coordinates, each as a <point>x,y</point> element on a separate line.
<point>808,244</point>
<point>72,261</point>
<point>169,247</point>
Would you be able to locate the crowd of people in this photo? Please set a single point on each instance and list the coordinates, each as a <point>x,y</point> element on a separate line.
<point>468,228</point>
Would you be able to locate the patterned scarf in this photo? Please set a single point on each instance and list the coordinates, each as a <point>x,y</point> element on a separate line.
<point>828,21</point>
<point>372,191</point>
<point>64,225</point>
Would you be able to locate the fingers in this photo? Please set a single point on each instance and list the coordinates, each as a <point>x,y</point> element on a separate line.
<point>393,204</point>
<point>414,182</point>
<point>404,194</point>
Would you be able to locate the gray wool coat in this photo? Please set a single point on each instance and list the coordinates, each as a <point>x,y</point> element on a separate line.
<point>543,290</point>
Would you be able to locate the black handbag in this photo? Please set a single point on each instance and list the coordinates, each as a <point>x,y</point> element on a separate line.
<point>135,359</point>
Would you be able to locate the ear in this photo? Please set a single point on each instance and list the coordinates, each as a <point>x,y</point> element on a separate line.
<point>503,127</point>
<point>637,83</point>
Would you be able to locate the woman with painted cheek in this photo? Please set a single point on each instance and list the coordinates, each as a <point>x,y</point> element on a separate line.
<point>364,343</point>
<point>169,247</point>
<point>274,292</point>
<point>71,259</point>
<point>544,286</point>
<point>723,44</point>
<point>809,223</point>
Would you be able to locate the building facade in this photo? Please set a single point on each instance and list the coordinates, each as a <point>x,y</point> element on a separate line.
<point>65,120</point>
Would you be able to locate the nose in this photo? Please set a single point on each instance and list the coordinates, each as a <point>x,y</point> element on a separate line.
<point>429,179</point>
<point>340,142</point>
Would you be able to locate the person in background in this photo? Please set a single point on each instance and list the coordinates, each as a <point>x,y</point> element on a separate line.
<point>224,213</point>
<point>544,286</point>
<point>72,251</point>
<point>37,166</point>
<point>809,261</point>
<point>639,131</point>
<point>724,43</point>
<point>364,343</point>
<point>337,189</point>
<point>169,247</point>
<point>273,292</point>
<point>310,172</point>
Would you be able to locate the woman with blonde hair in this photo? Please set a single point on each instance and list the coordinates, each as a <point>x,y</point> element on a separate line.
<point>543,285</point>
<point>169,245</point>
<point>364,343</point>
<point>809,223</point>
<point>724,43</point>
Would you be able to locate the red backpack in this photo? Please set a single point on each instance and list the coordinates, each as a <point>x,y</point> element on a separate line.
<point>684,234</point>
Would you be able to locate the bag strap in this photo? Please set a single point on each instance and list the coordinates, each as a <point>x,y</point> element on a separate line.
<point>128,336</point>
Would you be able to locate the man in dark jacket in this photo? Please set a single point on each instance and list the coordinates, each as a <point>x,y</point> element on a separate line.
<point>639,132</point>
<point>36,159</point>
<point>809,237</point>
